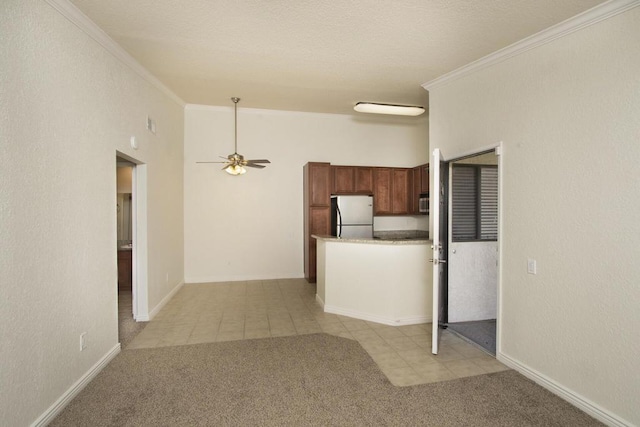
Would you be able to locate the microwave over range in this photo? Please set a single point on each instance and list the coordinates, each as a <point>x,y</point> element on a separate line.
<point>423,204</point>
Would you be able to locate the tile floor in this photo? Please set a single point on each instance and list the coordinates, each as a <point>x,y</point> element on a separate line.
<point>212,312</point>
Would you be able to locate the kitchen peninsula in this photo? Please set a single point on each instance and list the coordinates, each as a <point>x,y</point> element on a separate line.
<point>380,280</point>
<point>395,191</point>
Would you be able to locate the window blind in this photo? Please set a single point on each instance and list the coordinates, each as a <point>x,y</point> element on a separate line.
<point>474,203</point>
<point>488,203</point>
<point>464,203</point>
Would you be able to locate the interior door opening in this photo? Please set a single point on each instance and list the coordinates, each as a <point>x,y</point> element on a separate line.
<point>465,247</point>
<point>129,247</point>
<point>473,249</point>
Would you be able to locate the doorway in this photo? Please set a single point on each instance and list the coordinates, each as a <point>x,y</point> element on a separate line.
<point>472,244</point>
<point>130,247</point>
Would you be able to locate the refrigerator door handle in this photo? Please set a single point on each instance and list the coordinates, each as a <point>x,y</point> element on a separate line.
<point>339,221</point>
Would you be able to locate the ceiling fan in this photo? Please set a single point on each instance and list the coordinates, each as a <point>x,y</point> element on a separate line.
<point>235,163</point>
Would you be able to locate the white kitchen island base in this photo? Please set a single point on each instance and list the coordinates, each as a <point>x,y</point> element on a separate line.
<point>387,282</point>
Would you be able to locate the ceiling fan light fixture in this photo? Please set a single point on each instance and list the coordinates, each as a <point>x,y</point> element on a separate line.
<point>235,169</point>
<point>399,110</point>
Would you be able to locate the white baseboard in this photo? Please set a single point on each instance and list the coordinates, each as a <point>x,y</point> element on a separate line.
<point>241,278</point>
<point>377,319</point>
<point>570,396</point>
<point>162,303</point>
<point>320,301</point>
<point>76,388</point>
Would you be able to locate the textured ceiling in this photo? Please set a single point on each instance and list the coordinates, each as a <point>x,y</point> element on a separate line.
<point>316,55</point>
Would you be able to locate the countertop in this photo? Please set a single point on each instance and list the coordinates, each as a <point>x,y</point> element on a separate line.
<point>387,237</point>
<point>375,241</point>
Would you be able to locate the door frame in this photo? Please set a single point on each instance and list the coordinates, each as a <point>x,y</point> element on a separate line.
<point>499,150</point>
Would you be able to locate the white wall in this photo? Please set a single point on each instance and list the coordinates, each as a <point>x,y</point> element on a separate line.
<point>67,105</point>
<point>568,114</point>
<point>250,226</point>
<point>123,179</point>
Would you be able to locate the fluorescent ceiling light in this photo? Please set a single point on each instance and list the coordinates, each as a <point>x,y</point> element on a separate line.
<point>401,110</point>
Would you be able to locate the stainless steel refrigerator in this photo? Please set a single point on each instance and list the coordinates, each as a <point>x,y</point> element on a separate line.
<point>352,216</point>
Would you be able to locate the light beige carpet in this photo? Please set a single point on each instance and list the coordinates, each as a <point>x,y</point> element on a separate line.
<point>308,380</point>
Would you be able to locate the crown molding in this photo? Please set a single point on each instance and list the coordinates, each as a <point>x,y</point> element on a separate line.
<point>589,17</point>
<point>86,25</point>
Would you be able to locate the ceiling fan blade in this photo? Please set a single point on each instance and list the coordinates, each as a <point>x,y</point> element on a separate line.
<point>258,161</point>
<point>253,165</point>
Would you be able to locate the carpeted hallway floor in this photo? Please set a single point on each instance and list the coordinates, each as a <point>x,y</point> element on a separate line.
<point>128,328</point>
<point>308,380</point>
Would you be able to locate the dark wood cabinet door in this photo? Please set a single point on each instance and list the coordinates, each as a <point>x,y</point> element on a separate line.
<point>311,265</point>
<point>400,191</point>
<point>344,179</point>
<point>124,270</point>
<point>319,184</point>
<point>415,194</point>
<point>320,221</point>
<point>364,180</point>
<point>382,185</point>
<point>424,178</point>
<point>319,224</point>
<point>317,202</point>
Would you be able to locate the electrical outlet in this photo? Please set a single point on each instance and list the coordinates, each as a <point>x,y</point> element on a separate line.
<point>532,267</point>
<point>83,341</point>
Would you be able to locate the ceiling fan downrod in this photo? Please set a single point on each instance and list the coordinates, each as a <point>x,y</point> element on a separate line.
<point>235,120</point>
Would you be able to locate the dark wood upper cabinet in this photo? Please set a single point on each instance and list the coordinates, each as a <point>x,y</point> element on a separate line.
<point>319,184</point>
<point>351,180</point>
<point>382,184</point>
<point>364,180</point>
<point>424,178</point>
<point>401,191</point>
<point>344,179</point>
<point>416,190</point>
<point>392,188</point>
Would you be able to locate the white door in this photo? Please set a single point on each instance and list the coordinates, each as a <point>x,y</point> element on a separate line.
<point>439,242</point>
